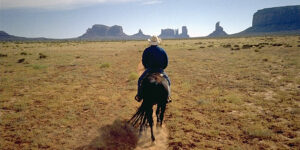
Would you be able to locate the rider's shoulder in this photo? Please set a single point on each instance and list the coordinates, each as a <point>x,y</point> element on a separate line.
<point>154,48</point>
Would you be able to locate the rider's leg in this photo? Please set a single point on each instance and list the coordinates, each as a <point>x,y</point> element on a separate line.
<point>169,87</point>
<point>167,77</point>
<point>138,97</point>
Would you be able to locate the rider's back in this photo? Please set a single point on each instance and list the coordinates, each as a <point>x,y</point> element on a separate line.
<point>155,57</point>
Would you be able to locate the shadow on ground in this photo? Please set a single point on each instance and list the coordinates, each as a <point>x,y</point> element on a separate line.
<point>118,136</point>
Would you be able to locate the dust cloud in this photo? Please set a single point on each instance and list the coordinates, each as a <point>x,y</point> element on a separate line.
<point>122,136</point>
<point>161,139</point>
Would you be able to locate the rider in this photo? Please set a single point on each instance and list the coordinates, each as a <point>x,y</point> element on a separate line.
<point>154,59</point>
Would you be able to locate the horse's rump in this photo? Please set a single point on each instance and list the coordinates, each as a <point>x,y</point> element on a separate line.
<point>155,88</point>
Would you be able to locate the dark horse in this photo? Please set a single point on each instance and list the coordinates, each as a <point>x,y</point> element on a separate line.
<point>154,91</point>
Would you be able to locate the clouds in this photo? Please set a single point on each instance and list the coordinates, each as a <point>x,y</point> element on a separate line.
<point>152,2</point>
<point>64,4</point>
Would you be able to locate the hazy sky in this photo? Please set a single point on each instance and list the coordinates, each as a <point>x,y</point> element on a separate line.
<point>71,18</point>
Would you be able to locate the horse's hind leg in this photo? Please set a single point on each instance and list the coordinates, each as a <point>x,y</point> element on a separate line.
<point>150,119</point>
<point>162,112</point>
<point>158,113</point>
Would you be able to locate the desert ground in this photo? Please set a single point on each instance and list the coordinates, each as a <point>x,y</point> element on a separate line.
<point>231,93</point>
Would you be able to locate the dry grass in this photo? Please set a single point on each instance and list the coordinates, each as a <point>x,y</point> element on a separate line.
<point>224,97</point>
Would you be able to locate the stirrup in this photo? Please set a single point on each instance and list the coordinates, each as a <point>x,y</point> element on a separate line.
<point>169,100</point>
<point>137,98</point>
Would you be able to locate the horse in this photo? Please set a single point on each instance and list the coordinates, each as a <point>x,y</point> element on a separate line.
<point>154,92</point>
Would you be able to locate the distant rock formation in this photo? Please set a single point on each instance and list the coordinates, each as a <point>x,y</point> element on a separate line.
<point>219,32</point>
<point>103,32</point>
<point>4,35</point>
<point>184,33</point>
<point>7,37</point>
<point>98,32</point>
<point>275,20</point>
<point>140,35</point>
<point>174,33</point>
<point>168,33</point>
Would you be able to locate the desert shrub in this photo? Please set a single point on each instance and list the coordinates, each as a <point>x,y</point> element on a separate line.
<point>3,55</point>
<point>42,56</point>
<point>235,48</point>
<point>259,132</point>
<point>190,49</point>
<point>105,65</point>
<point>227,46</point>
<point>38,67</point>
<point>19,106</point>
<point>21,60</point>
<point>23,53</point>
<point>277,44</point>
<point>234,98</point>
<point>133,76</point>
<point>295,111</point>
<point>202,101</point>
<point>263,43</point>
<point>288,45</point>
<point>260,46</point>
<point>294,142</point>
<point>246,46</point>
<point>235,148</point>
<point>265,59</point>
<point>199,43</point>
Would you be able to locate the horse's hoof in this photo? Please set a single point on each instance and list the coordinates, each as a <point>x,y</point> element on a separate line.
<point>153,139</point>
<point>159,125</point>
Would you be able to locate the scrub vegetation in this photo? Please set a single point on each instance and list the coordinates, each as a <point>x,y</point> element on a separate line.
<point>231,93</point>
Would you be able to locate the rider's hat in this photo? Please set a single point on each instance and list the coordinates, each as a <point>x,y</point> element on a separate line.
<point>154,40</point>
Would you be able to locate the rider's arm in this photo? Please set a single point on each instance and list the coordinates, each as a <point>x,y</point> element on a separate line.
<point>165,60</point>
<point>145,58</point>
<point>140,68</point>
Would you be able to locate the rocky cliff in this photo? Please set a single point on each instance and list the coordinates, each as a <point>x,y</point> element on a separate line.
<point>7,37</point>
<point>277,16</point>
<point>275,20</point>
<point>219,32</point>
<point>103,32</point>
<point>98,32</point>
<point>140,35</point>
<point>173,33</point>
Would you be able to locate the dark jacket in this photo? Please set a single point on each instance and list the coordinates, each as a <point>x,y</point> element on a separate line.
<point>155,57</point>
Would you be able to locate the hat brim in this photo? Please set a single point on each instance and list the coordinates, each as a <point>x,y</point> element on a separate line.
<point>154,43</point>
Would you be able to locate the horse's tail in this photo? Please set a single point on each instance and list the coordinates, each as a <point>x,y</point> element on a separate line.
<point>139,119</point>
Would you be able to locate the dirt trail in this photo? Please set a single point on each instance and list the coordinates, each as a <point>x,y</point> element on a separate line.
<point>161,139</point>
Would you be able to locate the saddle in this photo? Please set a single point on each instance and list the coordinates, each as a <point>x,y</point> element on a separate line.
<point>157,77</point>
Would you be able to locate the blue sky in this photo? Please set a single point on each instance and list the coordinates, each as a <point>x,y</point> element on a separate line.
<point>71,18</point>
